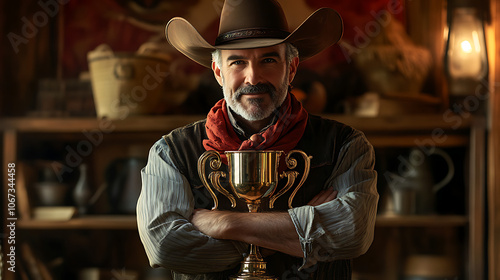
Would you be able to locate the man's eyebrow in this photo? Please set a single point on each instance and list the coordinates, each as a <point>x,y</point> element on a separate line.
<point>237,57</point>
<point>271,54</point>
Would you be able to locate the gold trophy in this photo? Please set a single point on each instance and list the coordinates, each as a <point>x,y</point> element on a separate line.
<point>253,175</point>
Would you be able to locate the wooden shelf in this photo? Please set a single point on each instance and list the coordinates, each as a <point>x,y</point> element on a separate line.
<point>421,220</point>
<point>131,124</point>
<point>406,123</point>
<point>88,222</point>
<point>411,131</point>
<point>380,125</point>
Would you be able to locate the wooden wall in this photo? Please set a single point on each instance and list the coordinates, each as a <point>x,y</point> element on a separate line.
<point>494,149</point>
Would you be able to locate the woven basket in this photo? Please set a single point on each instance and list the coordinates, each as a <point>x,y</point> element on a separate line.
<point>129,84</point>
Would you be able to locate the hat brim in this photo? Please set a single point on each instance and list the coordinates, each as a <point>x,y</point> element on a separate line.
<point>320,30</point>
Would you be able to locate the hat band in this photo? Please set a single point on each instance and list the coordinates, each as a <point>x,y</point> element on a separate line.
<point>251,33</point>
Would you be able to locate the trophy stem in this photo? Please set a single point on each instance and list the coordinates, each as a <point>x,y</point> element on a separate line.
<point>253,207</point>
<point>253,267</point>
<point>254,255</point>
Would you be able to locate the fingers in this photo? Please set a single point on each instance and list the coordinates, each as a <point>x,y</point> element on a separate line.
<point>323,196</point>
<point>332,196</point>
<point>315,199</point>
<point>266,252</point>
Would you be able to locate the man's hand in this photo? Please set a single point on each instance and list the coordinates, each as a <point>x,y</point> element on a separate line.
<point>212,223</point>
<point>215,223</point>
<point>272,230</point>
<point>323,196</point>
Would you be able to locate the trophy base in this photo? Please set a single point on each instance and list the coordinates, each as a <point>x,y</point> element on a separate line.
<point>252,269</point>
<point>250,277</point>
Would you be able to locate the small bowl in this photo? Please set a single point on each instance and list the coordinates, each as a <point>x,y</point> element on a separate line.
<point>430,267</point>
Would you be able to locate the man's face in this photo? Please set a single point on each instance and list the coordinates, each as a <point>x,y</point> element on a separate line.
<point>255,81</point>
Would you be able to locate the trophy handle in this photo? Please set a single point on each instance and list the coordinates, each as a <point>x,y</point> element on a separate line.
<point>291,175</point>
<point>291,163</point>
<point>214,177</point>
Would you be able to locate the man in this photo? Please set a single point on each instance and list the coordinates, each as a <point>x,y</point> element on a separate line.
<point>255,59</point>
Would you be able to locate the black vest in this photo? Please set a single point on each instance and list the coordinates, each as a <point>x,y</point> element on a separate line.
<point>322,140</point>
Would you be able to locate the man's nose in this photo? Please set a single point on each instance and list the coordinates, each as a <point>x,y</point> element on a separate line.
<point>253,75</point>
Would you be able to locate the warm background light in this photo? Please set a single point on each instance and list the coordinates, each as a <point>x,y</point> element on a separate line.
<point>466,47</point>
<point>466,57</point>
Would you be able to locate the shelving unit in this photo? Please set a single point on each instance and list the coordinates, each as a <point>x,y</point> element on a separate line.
<point>97,222</point>
<point>422,221</point>
<point>386,133</point>
<point>465,229</point>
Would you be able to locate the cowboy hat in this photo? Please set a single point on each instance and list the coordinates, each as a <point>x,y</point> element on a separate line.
<point>247,24</point>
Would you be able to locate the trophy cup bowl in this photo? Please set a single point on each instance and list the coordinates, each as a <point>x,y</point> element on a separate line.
<point>253,176</point>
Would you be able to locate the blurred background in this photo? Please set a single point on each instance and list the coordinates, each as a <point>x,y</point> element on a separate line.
<point>86,87</point>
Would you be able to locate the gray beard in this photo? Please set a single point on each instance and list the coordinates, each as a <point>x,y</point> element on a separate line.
<point>278,96</point>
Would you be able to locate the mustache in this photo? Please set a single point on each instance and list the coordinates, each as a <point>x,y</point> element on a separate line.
<point>258,88</point>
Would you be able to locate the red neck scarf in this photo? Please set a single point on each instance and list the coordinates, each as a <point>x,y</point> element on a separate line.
<point>283,135</point>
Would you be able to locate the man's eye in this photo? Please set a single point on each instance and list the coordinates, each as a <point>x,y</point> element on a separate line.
<point>237,62</point>
<point>269,60</point>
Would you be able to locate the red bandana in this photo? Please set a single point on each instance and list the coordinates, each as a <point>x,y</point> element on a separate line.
<point>282,136</point>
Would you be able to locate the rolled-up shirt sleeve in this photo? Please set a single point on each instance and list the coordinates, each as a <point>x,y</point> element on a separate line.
<point>163,209</point>
<point>342,228</point>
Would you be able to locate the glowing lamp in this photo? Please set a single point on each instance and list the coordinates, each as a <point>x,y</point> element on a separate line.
<point>466,60</point>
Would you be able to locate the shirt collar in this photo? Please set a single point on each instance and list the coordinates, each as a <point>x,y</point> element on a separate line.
<point>239,130</point>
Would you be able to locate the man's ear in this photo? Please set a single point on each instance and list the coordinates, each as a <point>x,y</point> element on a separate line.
<point>294,64</point>
<point>217,74</point>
